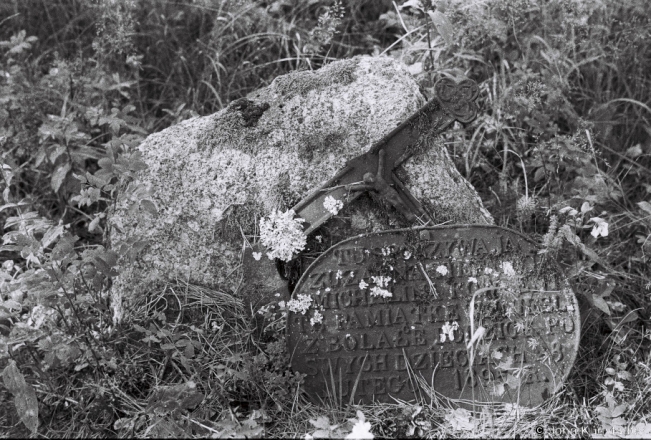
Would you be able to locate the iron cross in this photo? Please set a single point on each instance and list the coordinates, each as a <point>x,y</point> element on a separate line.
<point>373,171</point>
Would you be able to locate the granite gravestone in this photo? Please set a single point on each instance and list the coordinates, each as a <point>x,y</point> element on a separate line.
<point>385,315</point>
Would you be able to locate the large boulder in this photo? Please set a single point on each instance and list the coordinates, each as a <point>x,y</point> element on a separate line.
<point>212,178</point>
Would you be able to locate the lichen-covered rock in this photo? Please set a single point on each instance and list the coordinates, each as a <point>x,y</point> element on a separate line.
<point>212,178</point>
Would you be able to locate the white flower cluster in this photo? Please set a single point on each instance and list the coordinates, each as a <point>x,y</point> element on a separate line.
<point>600,227</point>
<point>380,283</point>
<point>447,331</point>
<point>283,234</point>
<point>333,205</point>
<point>300,304</point>
<point>41,315</point>
<point>507,268</point>
<point>377,291</point>
<point>316,319</point>
<point>442,270</point>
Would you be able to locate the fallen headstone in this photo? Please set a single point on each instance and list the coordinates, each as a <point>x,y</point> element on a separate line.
<point>213,178</point>
<point>386,315</point>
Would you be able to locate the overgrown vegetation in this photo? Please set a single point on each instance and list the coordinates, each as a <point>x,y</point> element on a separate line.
<point>561,151</point>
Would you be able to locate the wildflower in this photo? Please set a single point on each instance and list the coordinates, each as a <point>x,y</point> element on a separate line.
<point>363,285</point>
<point>281,304</point>
<point>472,280</point>
<point>448,330</point>
<point>533,343</point>
<point>509,311</point>
<point>519,326</point>
<point>407,255</point>
<point>300,304</point>
<point>361,428</point>
<point>283,234</point>
<point>616,306</point>
<point>386,251</point>
<point>600,227</point>
<point>442,270</point>
<point>488,270</point>
<point>276,295</point>
<point>333,205</point>
<point>525,206</point>
<point>257,256</point>
<point>339,274</point>
<point>507,268</point>
<point>352,274</point>
<point>317,318</point>
<point>378,291</point>
<point>41,315</point>
<point>571,211</point>
<point>319,238</point>
<point>381,281</point>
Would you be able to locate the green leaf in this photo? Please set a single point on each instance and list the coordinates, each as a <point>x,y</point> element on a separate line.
<point>442,25</point>
<point>27,407</point>
<point>645,206</point>
<point>14,381</point>
<point>59,175</point>
<point>24,395</point>
<point>56,152</point>
<point>94,223</point>
<point>601,304</point>
<point>64,247</point>
<point>189,351</point>
<point>11,304</point>
<point>192,400</point>
<point>618,410</point>
<point>149,206</point>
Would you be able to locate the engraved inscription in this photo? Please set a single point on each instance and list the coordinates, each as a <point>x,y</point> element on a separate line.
<point>399,309</point>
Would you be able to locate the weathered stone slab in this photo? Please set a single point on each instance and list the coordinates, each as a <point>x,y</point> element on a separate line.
<point>402,306</point>
<point>212,178</point>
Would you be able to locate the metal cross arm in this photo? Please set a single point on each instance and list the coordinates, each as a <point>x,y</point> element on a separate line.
<point>373,171</point>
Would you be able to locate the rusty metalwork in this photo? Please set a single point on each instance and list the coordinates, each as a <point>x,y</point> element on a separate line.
<point>407,206</point>
<point>394,312</point>
<point>458,98</point>
<point>374,170</point>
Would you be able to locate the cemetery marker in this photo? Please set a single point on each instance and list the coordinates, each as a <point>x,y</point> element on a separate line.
<point>396,305</point>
